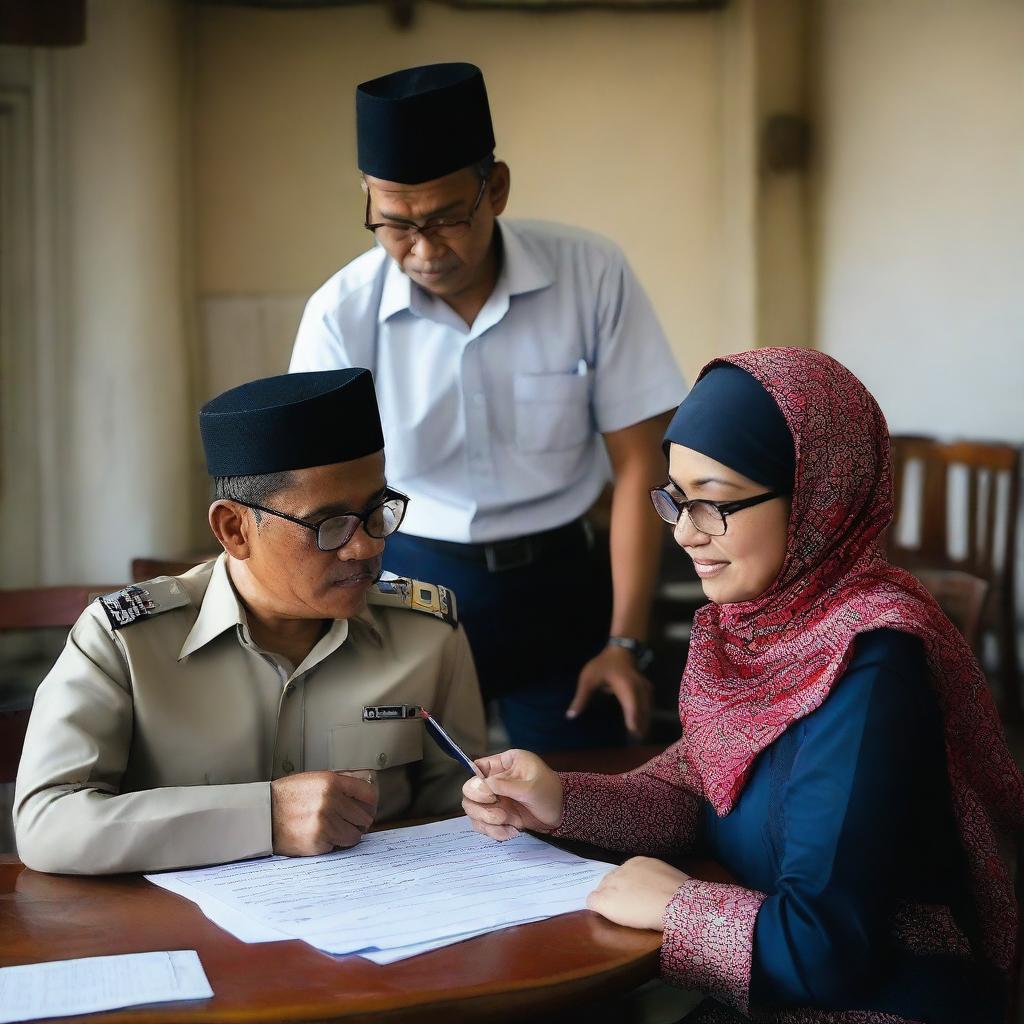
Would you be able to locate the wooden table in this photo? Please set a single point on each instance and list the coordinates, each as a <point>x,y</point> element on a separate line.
<point>525,973</point>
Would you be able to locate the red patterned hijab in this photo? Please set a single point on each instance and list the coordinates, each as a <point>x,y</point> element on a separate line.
<point>758,666</point>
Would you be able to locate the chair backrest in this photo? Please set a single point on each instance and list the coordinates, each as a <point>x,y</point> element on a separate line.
<point>29,609</point>
<point>910,452</point>
<point>48,607</point>
<point>961,596</point>
<point>147,568</point>
<point>990,505</point>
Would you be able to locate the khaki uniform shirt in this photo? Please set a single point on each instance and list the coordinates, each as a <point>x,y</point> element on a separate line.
<point>151,746</point>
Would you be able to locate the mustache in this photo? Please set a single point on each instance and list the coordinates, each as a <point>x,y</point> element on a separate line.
<point>433,268</point>
<point>365,567</point>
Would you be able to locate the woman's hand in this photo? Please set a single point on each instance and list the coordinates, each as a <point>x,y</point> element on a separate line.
<point>637,893</point>
<point>520,792</point>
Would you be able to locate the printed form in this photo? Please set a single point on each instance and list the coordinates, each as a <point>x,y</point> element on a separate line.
<point>91,984</point>
<point>397,893</point>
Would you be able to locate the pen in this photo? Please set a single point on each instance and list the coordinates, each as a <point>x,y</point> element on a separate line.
<point>447,744</point>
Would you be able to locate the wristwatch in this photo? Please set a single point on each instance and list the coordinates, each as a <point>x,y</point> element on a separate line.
<point>642,654</point>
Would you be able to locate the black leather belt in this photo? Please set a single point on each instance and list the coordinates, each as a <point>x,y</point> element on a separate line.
<point>515,553</point>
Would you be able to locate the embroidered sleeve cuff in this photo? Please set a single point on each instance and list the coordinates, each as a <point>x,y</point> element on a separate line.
<point>709,939</point>
<point>636,813</point>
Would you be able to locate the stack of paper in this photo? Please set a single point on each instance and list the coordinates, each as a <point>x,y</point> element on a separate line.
<point>91,984</point>
<point>396,894</point>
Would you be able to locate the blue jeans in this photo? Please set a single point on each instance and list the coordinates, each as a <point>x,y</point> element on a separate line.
<point>531,630</point>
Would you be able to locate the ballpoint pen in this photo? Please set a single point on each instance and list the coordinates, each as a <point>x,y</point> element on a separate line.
<point>447,744</point>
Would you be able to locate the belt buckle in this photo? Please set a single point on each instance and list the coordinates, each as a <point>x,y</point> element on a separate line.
<point>512,554</point>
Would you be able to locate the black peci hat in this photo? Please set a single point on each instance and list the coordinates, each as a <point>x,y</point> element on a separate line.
<point>292,421</point>
<point>423,123</point>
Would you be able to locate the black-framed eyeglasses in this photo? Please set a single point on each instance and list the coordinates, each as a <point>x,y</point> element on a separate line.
<point>380,520</point>
<point>708,517</point>
<point>437,227</point>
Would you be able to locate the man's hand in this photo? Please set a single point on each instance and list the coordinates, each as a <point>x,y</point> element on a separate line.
<point>637,893</point>
<point>519,791</point>
<point>613,670</point>
<point>316,812</point>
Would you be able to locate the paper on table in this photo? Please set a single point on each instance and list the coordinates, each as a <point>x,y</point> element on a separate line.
<point>91,984</point>
<point>398,888</point>
<point>243,926</point>
<point>390,956</point>
<point>249,930</point>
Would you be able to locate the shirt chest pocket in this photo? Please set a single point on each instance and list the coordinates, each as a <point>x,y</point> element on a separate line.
<point>552,411</point>
<point>377,745</point>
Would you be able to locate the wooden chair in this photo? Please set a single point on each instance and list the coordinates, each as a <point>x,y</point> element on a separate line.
<point>145,568</point>
<point>989,509</point>
<point>33,609</point>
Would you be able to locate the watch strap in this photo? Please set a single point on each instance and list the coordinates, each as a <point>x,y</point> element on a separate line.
<point>642,654</point>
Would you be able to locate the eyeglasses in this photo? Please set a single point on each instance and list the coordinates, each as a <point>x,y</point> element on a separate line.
<point>439,227</point>
<point>380,520</point>
<point>707,517</point>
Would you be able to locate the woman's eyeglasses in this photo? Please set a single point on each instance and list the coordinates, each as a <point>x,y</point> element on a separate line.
<point>380,520</point>
<point>708,517</point>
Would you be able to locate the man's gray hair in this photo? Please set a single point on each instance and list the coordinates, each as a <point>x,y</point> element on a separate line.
<point>257,489</point>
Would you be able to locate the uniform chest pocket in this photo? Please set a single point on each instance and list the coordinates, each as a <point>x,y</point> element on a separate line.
<point>552,411</point>
<point>377,745</point>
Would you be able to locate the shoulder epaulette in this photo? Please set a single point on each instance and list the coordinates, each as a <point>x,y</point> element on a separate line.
<point>143,601</point>
<point>431,598</point>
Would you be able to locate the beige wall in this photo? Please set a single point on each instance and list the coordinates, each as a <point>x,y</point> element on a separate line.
<point>921,208</point>
<point>110,392</point>
<point>608,120</point>
<point>128,358</point>
<point>784,288</point>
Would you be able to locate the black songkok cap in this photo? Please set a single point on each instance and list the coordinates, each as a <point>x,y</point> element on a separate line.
<point>729,417</point>
<point>423,123</point>
<point>292,421</point>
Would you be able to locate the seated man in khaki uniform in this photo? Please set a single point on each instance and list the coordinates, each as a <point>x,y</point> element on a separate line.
<point>219,715</point>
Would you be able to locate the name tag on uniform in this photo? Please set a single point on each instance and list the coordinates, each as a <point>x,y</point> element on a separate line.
<point>384,712</point>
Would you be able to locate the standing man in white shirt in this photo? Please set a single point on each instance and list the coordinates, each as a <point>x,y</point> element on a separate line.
<point>513,362</point>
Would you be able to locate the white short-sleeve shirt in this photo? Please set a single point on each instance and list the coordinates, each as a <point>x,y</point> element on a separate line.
<point>494,430</point>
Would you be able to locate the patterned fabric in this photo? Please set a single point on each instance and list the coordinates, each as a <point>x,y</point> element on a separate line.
<point>711,1012</point>
<point>929,929</point>
<point>709,934</point>
<point>647,811</point>
<point>756,667</point>
<point>709,939</point>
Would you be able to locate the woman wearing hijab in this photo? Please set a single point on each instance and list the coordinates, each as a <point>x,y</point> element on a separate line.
<point>841,754</point>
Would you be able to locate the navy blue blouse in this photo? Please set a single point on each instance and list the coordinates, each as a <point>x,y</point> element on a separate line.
<point>845,814</point>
